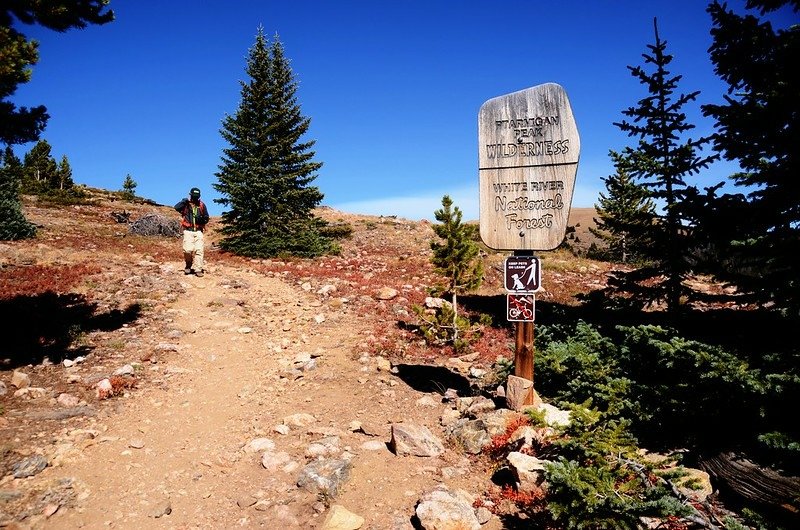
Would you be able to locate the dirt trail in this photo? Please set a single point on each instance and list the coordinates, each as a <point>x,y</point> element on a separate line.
<point>176,444</point>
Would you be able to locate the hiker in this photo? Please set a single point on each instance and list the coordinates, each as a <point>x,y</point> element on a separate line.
<point>195,217</point>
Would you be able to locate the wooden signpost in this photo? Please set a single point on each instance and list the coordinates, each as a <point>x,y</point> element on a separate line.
<point>528,147</point>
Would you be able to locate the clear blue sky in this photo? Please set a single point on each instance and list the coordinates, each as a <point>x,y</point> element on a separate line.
<point>392,88</point>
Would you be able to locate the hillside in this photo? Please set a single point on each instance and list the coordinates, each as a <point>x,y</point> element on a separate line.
<point>226,388</point>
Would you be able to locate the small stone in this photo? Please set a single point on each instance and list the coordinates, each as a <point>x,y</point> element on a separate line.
<point>161,509</point>
<point>30,466</point>
<point>125,370</point>
<point>281,429</point>
<point>20,379</point>
<point>244,330</point>
<point>136,443</point>
<point>246,501</point>
<point>258,445</point>
<point>340,518</point>
<point>300,419</point>
<point>386,293</point>
<point>68,400</point>
<point>373,445</point>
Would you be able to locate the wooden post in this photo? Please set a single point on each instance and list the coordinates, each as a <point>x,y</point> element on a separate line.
<point>523,359</point>
<point>523,348</point>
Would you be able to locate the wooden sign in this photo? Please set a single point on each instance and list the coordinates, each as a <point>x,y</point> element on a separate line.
<point>528,157</point>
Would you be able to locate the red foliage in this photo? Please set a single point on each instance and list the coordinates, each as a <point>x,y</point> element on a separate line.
<point>36,279</point>
<point>499,444</point>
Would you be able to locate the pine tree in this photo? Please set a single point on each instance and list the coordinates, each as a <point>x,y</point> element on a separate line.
<point>40,168</point>
<point>456,256</point>
<point>626,216</point>
<point>758,127</point>
<point>23,125</point>
<point>13,224</point>
<point>660,162</point>
<point>266,171</point>
<point>129,185</point>
<point>63,180</point>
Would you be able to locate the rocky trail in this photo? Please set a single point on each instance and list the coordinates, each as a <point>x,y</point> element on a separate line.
<point>250,397</point>
<point>254,381</point>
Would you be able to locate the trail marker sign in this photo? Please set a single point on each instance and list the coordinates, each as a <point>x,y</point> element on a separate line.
<point>528,150</point>
<point>522,274</point>
<point>520,307</point>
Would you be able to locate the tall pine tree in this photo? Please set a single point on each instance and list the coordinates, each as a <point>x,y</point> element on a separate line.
<point>267,170</point>
<point>63,180</point>
<point>455,256</point>
<point>758,127</point>
<point>660,162</point>
<point>625,216</point>
<point>13,224</point>
<point>40,168</point>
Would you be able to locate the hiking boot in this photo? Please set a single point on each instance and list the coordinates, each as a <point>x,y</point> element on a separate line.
<point>199,274</point>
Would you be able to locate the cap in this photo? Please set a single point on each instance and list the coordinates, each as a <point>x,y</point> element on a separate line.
<point>194,192</point>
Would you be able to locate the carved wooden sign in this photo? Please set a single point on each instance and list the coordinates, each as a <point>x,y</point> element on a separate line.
<point>528,157</point>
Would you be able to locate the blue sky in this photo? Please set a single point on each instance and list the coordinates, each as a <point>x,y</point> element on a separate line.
<point>392,88</point>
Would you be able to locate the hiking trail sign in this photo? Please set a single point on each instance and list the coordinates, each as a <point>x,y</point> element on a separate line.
<point>528,149</point>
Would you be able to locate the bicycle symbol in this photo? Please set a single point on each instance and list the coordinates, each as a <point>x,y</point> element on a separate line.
<point>522,307</point>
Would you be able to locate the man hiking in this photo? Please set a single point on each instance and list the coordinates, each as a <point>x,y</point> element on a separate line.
<point>195,217</point>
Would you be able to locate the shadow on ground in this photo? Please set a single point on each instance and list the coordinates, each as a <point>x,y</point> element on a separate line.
<point>424,378</point>
<point>48,325</point>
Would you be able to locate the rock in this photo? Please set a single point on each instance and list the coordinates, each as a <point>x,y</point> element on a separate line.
<point>68,400</point>
<point>373,445</point>
<point>518,391</point>
<point>384,365</point>
<point>300,419</point>
<point>479,405</point>
<point>272,461</point>
<point>3,389</point>
<point>258,445</point>
<point>325,477</point>
<point>326,447</point>
<point>449,417</point>
<point>497,421</point>
<point>136,443</point>
<point>20,379</point>
<point>483,514</point>
<point>528,471</point>
<point>163,508</point>
<point>477,373</point>
<point>31,392</point>
<point>244,330</point>
<point>553,416</point>
<point>442,509</point>
<point>125,370</point>
<point>30,466</point>
<point>104,389</point>
<point>340,518</point>
<point>427,401</point>
<point>415,440</point>
<point>471,435</point>
<point>435,303</point>
<point>245,501</point>
<point>326,289</point>
<point>386,293</point>
<point>281,429</point>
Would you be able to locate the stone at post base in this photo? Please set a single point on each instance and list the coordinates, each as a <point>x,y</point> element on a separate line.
<point>518,390</point>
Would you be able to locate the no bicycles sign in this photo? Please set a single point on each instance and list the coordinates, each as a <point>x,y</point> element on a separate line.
<point>520,307</point>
